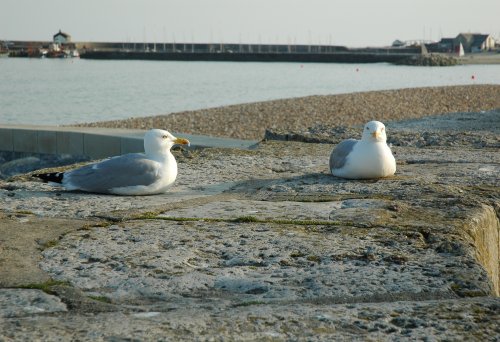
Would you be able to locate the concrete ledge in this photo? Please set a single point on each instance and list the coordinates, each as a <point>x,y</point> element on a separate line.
<point>69,143</point>
<point>92,142</point>
<point>47,142</point>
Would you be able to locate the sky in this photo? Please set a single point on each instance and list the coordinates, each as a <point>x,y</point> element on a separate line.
<point>353,23</point>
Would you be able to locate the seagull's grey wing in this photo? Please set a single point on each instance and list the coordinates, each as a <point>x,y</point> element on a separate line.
<point>340,152</point>
<point>127,170</point>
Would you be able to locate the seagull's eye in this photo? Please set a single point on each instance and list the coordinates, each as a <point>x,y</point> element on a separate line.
<point>164,137</point>
<point>382,129</point>
<point>367,129</point>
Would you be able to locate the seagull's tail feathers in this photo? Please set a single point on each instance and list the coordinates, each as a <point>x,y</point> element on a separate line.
<point>53,177</point>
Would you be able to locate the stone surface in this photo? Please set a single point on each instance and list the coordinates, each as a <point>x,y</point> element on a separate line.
<point>23,302</point>
<point>465,319</point>
<point>264,244</point>
<point>429,60</point>
<point>165,260</point>
<point>22,237</point>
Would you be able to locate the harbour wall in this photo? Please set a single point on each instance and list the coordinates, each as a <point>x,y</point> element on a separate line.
<point>225,52</point>
<point>340,57</point>
<point>244,52</point>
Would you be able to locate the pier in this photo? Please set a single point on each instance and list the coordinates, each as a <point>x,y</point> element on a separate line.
<point>174,51</point>
<point>246,53</point>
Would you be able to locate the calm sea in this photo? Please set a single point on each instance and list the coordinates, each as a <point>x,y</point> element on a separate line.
<point>66,91</point>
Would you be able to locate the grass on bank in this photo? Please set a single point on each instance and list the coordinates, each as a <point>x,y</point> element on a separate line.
<point>45,286</point>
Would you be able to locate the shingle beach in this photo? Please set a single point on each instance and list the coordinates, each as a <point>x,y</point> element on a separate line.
<point>249,121</point>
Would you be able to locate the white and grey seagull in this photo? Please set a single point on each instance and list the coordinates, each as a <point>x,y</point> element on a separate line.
<point>367,158</point>
<point>146,173</point>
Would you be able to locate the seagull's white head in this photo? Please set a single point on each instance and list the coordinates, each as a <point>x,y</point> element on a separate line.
<point>158,141</point>
<point>374,131</point>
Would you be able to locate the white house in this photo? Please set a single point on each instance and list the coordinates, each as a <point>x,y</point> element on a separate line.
<point>475,42</point>
<point>61,38</point>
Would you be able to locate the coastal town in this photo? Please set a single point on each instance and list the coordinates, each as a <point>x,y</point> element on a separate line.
<point>447,51</point>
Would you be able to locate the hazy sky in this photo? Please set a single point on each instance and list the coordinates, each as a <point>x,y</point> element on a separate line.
<point>338,22</point>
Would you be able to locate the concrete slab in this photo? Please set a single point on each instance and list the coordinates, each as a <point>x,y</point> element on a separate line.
<point>25,141</point>
<point>131,145</point>
<point>6,139</point>
<point>70,143</point>
<point>101,146</point>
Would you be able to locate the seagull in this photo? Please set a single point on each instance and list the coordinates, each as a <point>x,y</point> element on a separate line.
<point>134,174</point>
<point>367,158</point>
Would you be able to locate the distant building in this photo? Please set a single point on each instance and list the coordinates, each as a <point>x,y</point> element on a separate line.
<point>61,38</point>
<point>446,44</point>
<point>465,42</point>
<point>398,43</point>
<point>475,42</point>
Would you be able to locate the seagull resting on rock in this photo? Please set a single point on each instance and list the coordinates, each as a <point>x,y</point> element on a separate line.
<point>367,158</point>
<point>146,173</point>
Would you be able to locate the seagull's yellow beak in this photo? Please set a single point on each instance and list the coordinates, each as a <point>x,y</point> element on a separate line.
<point>182,141</point>
<point>376,134</point>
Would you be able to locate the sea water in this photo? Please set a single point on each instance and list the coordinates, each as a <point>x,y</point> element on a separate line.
<point>67,91</point>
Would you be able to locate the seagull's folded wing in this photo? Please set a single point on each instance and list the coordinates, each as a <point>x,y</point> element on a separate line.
<point>122,171</point>
<point>340,153</point>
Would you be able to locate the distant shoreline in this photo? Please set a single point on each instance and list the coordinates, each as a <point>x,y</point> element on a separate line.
<point>248,52</point>
<point>480,58</point>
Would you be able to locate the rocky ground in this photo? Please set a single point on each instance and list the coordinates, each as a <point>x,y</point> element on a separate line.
<point>431,59</point>
<point>249,121</point>
<point>264,244</point>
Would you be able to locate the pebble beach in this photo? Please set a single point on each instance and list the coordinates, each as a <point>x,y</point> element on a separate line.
<point>250,121</point>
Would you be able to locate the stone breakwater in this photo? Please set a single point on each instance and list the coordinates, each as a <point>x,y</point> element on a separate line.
<point>265,245</point>
<point>250,121</point>
<point>429,60</point>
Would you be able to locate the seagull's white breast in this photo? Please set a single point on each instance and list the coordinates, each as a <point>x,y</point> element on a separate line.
<point>368,160</point>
